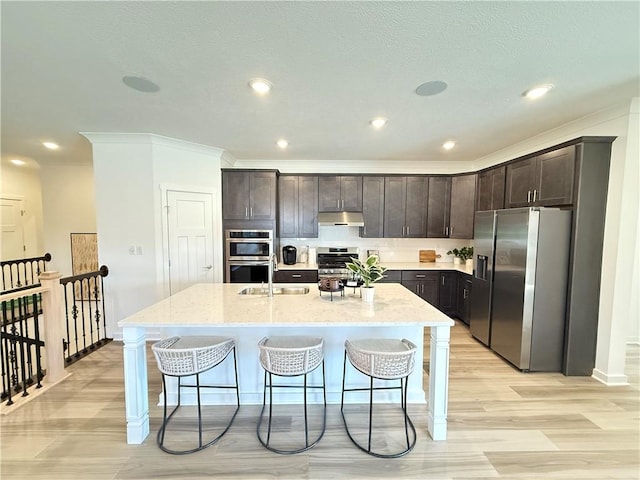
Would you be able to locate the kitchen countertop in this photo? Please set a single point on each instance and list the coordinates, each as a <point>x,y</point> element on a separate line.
<point>394,266</point>
<point>219,304</point>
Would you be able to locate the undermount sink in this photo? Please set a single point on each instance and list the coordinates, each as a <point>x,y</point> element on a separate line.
<point>276,291</point>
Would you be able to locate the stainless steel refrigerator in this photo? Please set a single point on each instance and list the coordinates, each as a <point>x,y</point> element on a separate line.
<point>519,291</point>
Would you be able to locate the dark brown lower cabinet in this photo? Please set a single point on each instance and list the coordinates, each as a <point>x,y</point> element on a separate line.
<point>464,297</point>
<point>423,283</point>
<point>448,293</point>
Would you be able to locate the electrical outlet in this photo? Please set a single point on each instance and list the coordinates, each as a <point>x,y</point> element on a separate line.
<point>138,249</point>
<point>132,249</point>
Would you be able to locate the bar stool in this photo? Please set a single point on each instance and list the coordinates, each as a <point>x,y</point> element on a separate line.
<point>290,356</point>
<point>385,359</point>
<point>192,355</point>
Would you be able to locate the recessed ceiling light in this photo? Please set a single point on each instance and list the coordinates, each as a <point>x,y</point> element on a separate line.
<point>537,92</point>
<point>16,161</point>
<point>260,85</point>
<point>51,145</point>
<point>449,145</point>
<point>431,88</point>
<point>140,84</point>
<point>378,122</point>
<point>282,143</point>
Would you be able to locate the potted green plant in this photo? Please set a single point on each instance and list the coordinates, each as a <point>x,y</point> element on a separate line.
<point>463,255</point>
<point>369,272</point>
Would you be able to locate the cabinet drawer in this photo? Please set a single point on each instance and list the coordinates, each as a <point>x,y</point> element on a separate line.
<point>409,275</point>
<point>392,276</point>
<point>295,276</point>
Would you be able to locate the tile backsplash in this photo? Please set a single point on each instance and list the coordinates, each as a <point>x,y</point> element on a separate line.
<point>390,249</point>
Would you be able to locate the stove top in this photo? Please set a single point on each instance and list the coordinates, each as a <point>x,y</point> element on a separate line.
<point>331,261</point>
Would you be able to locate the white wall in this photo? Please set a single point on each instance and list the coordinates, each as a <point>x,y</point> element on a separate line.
<point>68,207</point>
<point>25,182</point>
<point>129,171</point>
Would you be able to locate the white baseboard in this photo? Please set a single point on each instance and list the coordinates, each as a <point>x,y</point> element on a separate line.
<point>610,380</point>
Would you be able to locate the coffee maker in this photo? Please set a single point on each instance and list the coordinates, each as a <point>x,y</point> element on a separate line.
<point>289,254</point>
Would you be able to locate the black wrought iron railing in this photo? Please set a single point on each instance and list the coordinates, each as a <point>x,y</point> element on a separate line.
<point>86,327</point>
<point>22,272</point>
<point>21,346</point>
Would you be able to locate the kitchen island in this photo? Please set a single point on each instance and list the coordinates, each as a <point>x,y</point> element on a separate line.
<point>219,309</point>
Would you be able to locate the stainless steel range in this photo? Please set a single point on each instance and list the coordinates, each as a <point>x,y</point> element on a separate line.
<point>331,261</point>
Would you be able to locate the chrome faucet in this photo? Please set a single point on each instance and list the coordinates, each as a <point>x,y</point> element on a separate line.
<point>273,267</point>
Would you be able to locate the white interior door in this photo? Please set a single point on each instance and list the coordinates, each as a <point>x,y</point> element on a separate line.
<point>11,212</point>
<point>190,238</point>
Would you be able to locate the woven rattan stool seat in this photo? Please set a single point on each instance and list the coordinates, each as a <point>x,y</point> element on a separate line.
<point>182,356</point>
<point>386,359</point>
<point>189,356</point>
<point>382,357</point>
<point>290,356</point>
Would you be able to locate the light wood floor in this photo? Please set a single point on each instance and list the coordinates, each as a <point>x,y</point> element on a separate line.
<point>502,424</point>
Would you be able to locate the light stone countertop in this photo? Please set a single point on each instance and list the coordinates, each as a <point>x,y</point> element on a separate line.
<point>219,304</point>
<point>394,266</point>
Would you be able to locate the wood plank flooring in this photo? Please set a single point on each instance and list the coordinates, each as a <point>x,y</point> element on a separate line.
<point>503,424</point>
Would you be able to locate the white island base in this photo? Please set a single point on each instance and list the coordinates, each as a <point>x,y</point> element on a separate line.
<point>217,309</point>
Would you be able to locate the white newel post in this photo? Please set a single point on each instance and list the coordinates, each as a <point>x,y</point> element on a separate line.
<point>438,382</point>
<point>135,384</point>
<point>54,326</point>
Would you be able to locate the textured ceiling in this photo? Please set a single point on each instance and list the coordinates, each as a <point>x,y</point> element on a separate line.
<point>334,66</point>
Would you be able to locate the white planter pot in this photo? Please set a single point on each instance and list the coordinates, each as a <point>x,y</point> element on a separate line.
<point>456,261</point>
<point>367,294</point>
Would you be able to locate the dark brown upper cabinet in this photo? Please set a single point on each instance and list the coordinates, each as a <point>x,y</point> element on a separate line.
<point>463,199</point>
<point>297,206</point>
<point>340,193</point>
<point>543,180</point>
<point>491,189</point>
<point>372,207</point>
<point>438,207</point>
<point>405,207</point>
<point>248,195</point>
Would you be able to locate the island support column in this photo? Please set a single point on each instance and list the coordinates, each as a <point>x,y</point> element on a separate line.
<point>136,390</point>
<point>438,382</point>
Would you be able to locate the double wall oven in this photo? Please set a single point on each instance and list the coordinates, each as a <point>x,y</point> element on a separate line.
<point>247,255</point>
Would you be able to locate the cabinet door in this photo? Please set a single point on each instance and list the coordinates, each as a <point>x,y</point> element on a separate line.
<point>554,177</point>
<point>263,196</point>
<point>329,194</point>
<point>395,197</point>
<point>235,195</point>
<point>438,207</point>
<point>372,207</point>
<point>415,207</point>
<point>351,193</point>
<point>288,206</point>
<point>448,292</point>
<point>519,183</point>
<point>490,193</point>
<point>463,199</point>
<point>422,283</point>
<point>464,297</point>
<point>308,207</point>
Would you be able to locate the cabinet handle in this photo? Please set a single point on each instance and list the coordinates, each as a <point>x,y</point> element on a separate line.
<point>246,211</point>
<point>420,276</point>
<point>251,210</point>
<point>407,230</point>
<point>446,231</point>
<point>364,231</point>
<point>296,276</point>
<point>422,288</point>
<point>418,289</point>
<point>529,196</point>
<point>403,230</point>
<point>443,280</point>
<point>535,194</point>
<point>465,293</point>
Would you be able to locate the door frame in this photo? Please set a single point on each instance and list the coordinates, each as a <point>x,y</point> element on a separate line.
<point>165,188</point>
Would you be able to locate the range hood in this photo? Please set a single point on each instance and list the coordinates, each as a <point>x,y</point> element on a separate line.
<point>349,219</point>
